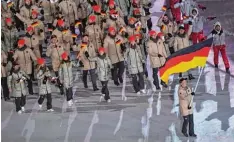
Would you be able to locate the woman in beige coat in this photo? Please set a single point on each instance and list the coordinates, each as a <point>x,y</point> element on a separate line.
<point>185,98</point>
<point>25,57</point>
<point>94,32</point>
<point>157,55</point>
<point>114,45</point>
<point>86,54</point>
<point>54,51</point>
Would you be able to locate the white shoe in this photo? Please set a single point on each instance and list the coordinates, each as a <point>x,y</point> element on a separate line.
<point>138,93</point>
<point>70,103</point>
<point>19,112</point>
<point>101,98</point>
<point>143,91</point>
<point>108,100</point>
<point>50,110</point>
<point>40,106</point>
<point>23,109</point>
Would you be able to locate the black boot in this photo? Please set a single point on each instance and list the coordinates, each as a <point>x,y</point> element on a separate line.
<point>191,77</point>
<point>227,71</point>
<point>95,89</point>
<point>192,135</point>
<point>163,84</point>
<point>120,79</point>
<point>216,66</point>
<point>158,88</point>
<point>116,83</point>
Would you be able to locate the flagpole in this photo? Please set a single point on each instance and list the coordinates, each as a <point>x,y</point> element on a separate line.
<point>190,104</point>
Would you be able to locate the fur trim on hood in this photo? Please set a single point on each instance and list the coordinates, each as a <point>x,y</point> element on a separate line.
<point>217,24</point>
<point>195,10</point>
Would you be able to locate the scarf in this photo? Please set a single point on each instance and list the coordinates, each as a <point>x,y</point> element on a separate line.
<point>22,48</point>
<point>112,36</point>
<point>102,56</point>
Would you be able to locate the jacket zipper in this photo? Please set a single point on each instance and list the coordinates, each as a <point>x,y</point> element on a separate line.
<point>24,58</point>
<point>104,67</point>
<point>136,60</point>
<point>20,84</point>
<point>68,74</point>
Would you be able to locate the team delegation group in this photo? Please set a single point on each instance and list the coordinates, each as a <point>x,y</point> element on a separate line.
<point>104,34</point>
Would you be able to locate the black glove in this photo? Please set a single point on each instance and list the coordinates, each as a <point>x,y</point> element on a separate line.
<point>143,30</point>
<point>42,11</point>
<point>169,35</point>
<point>79,6</point>
<point>41,31</point>
<point>159,55</point>
<point>123,47</point>
<point>44,80</point>
<point>86,54</point>
<point>126,35</point>
<point>53,81</point>
<point>189,107</point>
<point>149,4</point>
<point>42,18</point>
<point>103,20</point>
<point>4,64</point>
<point>81,64</point>
<point>181,1</point>
<point>190,22</point>
<point>193,94</point>
<point>13,10</point>
<point>31,48</point>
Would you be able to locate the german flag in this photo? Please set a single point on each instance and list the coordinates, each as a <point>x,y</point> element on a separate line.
<point>185,17</point>
<point>118,42</point>
<point>50,29</point>
<point>10,4</point>
<point>164,8</point>
<point>74,35</point>
<point>122,29</point>
<point>35,24</point>
<point>138,28</point>
<point>186,59</point>
<point>84,45</point>
<point>78,23</point>
<point>163,28</point>
<point>65,31</point>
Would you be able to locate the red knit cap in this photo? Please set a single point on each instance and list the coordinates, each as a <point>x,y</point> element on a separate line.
<point>160,34</point>
<point>21,42</point>
<point>60,22</point>
<point>101,49</point>
<point>131,38</point>
<point>92,19</point>
<point>111,29</point>
<point>138,35</point>
<point>34,12</point>
<point>111,3</point>
<point>29,28</point>
<point>152,32</point>
<point>137,11</point>
<point>112,11</point>
<point>8,20</point>
<point>131,19</point>
<point>64,55</point>
<point>96,8</point>
<point>40,61</point>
